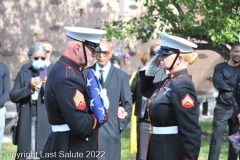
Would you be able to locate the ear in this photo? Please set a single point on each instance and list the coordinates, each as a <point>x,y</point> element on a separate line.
<point>180,58</point>
<point>76,48</point>
<point>110,54</point>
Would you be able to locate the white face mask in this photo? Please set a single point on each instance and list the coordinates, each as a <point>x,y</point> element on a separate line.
<point>37,64</point>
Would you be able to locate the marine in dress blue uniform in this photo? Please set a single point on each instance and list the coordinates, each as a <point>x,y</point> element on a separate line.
<point>74,126</point>
<point>172,109</point>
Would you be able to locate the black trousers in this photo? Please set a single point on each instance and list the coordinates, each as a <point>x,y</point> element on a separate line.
<point>142,138</point>
<point>221,118</point>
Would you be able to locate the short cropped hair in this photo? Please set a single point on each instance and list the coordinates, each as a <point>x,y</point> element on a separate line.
<point>36,47</point>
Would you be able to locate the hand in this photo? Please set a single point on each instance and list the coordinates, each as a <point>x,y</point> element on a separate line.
<point>238,116</point>
<point>153,66</point>
<point>45,80</point>
<point>34,83</point>
<point>121,114</point>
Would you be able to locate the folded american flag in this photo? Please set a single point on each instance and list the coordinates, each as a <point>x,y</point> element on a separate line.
<point>95,89</point>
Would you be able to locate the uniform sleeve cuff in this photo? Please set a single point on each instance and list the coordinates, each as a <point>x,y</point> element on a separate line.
<point>94,121</point>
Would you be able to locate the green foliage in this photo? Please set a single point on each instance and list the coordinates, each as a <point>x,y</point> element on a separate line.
<point>216,21</point>
<point>125,153</point>
<point>8,151</point>
<point>204,151</point>
<point>206,127</point>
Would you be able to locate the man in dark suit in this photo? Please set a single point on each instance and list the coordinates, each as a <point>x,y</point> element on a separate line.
<point>116,83</point>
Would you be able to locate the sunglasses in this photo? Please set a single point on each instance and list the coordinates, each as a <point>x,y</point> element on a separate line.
<point>37,58</point>
<point>105,53</point>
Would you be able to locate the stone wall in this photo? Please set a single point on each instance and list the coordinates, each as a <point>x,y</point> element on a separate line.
<point>24,22</point>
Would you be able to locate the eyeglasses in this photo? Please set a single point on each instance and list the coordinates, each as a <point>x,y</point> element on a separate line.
<point>37,58</point>
<point>105,53</point>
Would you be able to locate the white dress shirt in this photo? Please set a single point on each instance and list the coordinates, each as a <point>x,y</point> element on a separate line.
<point>105,70</point>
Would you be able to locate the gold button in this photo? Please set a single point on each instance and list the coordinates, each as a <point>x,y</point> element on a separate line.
<point>69,67</point>
<point>151,129</point>
<point>86,139</point>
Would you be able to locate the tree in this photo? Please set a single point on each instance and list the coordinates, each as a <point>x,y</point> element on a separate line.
<point>215,22</point>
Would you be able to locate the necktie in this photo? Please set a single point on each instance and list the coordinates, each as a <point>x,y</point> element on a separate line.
<point>101,77</point>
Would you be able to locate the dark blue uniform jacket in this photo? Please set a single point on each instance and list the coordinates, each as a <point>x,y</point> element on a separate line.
<point>67,102</point>
<point>173,103</point>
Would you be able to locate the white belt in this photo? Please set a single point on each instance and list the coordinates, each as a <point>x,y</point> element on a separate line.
<point>60,128</point>
<point>164,130</point>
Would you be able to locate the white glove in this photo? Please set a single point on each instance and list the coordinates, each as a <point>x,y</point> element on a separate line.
<point>103,95</point>
<point>215,93</point>
<point>153,66</point>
